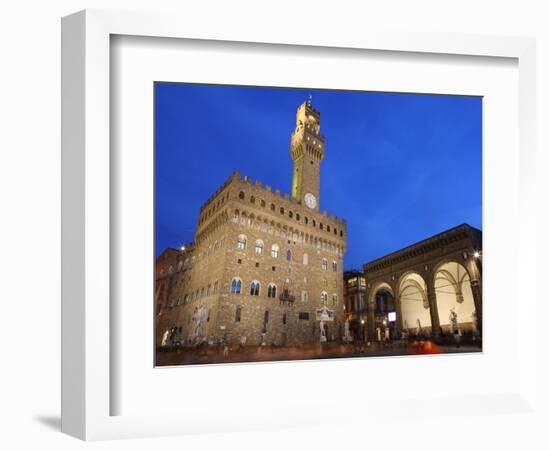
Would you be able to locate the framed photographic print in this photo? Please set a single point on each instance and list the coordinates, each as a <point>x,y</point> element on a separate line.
<point>258,216</point>
<point>247,273</point>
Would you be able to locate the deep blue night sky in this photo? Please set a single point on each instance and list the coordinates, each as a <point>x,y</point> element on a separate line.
<point>397,167</point>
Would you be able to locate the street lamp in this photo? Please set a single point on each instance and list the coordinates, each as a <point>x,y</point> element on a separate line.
<point>477,254</point>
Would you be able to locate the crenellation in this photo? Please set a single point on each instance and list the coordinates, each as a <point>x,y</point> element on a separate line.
<point>285,201</point>
<point>299,211</point>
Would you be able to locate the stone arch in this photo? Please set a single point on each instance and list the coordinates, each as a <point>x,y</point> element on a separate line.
<point>412,293</point>
<point>451,281</point>
<point>379,286</point>
<point>382,301</point>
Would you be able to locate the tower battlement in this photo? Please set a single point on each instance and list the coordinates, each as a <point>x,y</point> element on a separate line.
<point>236,184</point>
<point>307,150</point>
<point>285,200</point>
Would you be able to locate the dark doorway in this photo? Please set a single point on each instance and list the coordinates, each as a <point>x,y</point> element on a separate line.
<point>385,316</point>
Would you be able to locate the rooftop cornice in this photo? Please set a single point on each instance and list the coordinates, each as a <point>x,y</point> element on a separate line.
<point>424,246</point>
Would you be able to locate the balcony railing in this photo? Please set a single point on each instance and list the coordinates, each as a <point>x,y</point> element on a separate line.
<point>287,297</point>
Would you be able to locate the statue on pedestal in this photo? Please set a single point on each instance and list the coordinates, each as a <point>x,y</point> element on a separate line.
<point>347,335</point>
<point>165,336</point>
<point>455,329</point>
<point>324,315</point>
<point>199,324</point>
<point>323,336</point>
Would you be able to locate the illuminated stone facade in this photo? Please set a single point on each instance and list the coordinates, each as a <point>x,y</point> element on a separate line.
<point>417,289</point>
<point>262,264</point>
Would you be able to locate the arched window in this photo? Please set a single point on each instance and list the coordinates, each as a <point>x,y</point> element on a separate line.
<point>304,296</point>
<point>241,195</point>
<point>290,214</point>
<point>272,207</point>
<point>297,216</point>
<point>324,298</point>
<point>274,251</point>
<point>288,255</point>
<point>252,199</point>
<point>241,242</point>
<point>334,299</point>
<point>262,203</point>
<point>334,266</point>
<point>258,247</point>
<point>306,259</point>
<point>255,288</point>
<point>271,290</point>
<point>324,264</point>
<point>282,210</point>
<point>236,284</point>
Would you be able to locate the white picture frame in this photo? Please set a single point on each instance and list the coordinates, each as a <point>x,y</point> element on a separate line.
<point>86,239</point>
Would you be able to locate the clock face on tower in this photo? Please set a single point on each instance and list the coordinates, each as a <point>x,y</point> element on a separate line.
<point>311,201</point>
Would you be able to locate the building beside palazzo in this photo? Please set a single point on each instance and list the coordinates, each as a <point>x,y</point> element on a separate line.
<point>355,288</point>
<point>422,289</point>
<point>264,267</point>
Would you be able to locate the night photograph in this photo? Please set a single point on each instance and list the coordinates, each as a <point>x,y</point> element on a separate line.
<point>295,224</point>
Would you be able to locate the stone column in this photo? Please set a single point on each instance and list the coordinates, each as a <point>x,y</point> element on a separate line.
<point>476,292</point>
<point>399,318</point>
<point>434,312</point>
<point>370,320</point>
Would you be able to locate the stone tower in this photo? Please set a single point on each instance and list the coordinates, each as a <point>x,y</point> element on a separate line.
<point>307,149</point>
